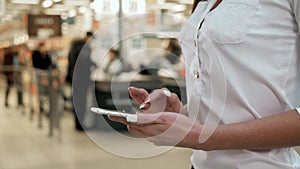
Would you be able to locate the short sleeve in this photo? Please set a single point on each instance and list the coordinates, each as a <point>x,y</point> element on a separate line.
<point>296,8</point>
<point>298,110</point>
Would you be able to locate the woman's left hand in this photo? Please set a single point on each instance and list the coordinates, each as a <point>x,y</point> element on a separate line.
<point>164,129</point>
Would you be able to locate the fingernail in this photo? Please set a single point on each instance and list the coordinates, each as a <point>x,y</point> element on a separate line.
<point>142,106</point>
<point>167,93</point>
<point>147,100</point>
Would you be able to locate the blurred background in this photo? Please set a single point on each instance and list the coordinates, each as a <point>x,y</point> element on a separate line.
<point>117,44</point>
<point>40,42</point>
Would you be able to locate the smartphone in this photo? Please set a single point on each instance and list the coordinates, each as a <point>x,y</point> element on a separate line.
<point>129,117</point>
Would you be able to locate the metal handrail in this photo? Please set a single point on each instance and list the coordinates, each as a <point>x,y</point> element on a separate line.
<point>52,77</point>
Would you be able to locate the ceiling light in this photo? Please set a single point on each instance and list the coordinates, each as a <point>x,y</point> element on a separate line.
<point>56,1</point>
<point>64,16</point>
<point>25,1</point>
<point>47,3</point>
<point>72,13</point>
<point>82,9</point>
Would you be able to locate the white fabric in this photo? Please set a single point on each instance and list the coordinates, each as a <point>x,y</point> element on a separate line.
<point>248,55</point>
<point>298,110</point>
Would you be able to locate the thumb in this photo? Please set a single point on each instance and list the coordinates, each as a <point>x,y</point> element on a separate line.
<point>138,94</point>
<point>146,118</point>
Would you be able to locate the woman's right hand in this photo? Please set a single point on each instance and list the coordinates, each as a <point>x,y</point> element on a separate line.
<point>158,100</point>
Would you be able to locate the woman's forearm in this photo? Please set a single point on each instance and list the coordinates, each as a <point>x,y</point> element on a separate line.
<point>278,131</point>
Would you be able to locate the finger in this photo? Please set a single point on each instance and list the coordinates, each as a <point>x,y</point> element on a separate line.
<point>159,94</point>
<point>145,106</point>
<point>146,103</point>
<point>147,130</point>
<point>147,119</point>
<point>166,92</point>
<point>136,131</point>
<point>118,119</point>
<point>138,94</point>
<point>173,98</point>
<point>174,104</point>
<point>158,101</point>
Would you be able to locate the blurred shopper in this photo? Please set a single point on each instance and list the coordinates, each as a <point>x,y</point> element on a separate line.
<point>8,61</point>
<point>168,60</point>
<point>114,65</point>
<point>40,58</point>
<point>173,51</point>
<point>42,62</point>
<point>79,71</point>
<point>11,58</point>
<point>17,62</point>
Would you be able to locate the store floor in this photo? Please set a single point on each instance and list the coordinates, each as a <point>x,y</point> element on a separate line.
<point>24,146</point>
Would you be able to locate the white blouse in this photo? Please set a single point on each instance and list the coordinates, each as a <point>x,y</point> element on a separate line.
<point>242,63</point>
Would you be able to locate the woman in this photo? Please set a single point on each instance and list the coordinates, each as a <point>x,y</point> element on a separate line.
<point>114,64</point>
<point>8,61</point>
<point>243,75</point>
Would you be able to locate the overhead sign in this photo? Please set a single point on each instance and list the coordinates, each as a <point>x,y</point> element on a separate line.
<point>44,25</point>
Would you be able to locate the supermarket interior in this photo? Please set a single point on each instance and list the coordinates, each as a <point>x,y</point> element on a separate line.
<point>46,94</point>
<point>37,119</point>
